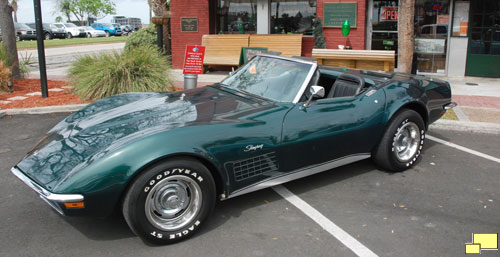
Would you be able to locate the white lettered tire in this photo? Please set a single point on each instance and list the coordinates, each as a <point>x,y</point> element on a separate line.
<point>402,143</point>
<point>169,201</point>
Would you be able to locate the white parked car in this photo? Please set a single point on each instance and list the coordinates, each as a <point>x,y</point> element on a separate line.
<point>72,30</point>
<point>91,32</point>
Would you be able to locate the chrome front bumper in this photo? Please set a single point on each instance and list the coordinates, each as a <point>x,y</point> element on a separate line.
<point>54,200</point>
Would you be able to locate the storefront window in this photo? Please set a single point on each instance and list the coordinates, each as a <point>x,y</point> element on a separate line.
<point>237,16</point>
<point>431,34</point>
<point>292,16</point>
<point>485,28</point>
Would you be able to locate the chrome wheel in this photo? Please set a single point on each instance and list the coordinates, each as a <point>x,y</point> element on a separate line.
<point>406,141</point>
<point>173,203</point>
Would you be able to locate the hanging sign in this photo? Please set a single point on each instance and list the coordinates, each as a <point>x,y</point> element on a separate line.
<point>389,14</point>
<point>193,60</point>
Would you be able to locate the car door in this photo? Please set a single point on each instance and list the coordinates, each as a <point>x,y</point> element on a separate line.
<point>333,128</point>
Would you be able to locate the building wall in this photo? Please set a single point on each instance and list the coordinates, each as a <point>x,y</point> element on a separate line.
<point>185,8</point>
<point>200,9</point>
<point>334,37</point>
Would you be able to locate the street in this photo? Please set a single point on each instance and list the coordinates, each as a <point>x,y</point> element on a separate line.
<point>430,210</point>
<point>58,59</point>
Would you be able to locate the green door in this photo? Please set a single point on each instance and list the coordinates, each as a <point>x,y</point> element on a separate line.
<point>483,56</point>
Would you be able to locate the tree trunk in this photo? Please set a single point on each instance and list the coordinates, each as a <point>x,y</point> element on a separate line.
<point>406,39</point>
<point>9,37</point>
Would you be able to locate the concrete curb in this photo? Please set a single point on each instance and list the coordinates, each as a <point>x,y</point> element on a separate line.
<point>43,110</point>
<point>2,113</point>
<point>467,126</point>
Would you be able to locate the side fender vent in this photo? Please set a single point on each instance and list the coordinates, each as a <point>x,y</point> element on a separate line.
<point>254,166</point>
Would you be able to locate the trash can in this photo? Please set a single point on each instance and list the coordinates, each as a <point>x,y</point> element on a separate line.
<point>190,81</point>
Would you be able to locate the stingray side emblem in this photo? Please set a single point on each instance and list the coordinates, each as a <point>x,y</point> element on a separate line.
<point>249,148</point>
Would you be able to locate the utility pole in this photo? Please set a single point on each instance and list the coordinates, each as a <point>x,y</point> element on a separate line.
<point>41,48</point>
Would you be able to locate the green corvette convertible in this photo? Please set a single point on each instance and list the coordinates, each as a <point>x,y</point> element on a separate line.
<point>163,159</point>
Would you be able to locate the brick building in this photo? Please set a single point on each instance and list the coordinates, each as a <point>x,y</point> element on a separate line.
<point>446,42</point>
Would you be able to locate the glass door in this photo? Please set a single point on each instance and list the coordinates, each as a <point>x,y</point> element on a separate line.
<point>483,58</point>
<point>384,25</point>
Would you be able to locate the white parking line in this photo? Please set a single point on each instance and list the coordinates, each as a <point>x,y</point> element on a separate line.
<point>346,239</point>
<point>461,148</point>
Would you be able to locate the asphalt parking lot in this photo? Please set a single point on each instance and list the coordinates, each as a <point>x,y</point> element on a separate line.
<point>430,210</point>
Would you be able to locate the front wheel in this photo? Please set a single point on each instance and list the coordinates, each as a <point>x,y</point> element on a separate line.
<point>48,36</point>
<point>107,33</point>
<point>69,36</point>
<point>169,201</point>
<point>402,142</point>
<point>89,35</point>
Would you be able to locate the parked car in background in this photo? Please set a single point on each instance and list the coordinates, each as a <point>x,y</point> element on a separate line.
<point>108,28</point>
<point>91,32</point>
<point>127,30</point>
<point>50,31</point>
<point>71,30</point>
<point>24,32</point>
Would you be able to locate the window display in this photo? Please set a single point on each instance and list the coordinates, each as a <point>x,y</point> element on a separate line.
<point>292,16</point>
<point>237,16</point>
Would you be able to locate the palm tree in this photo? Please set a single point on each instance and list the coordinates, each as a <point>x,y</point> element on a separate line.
<point>14,8</point>
<point>406,37</point>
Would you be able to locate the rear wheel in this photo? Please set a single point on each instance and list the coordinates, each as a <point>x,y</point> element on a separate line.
<point>89,35</point>
<point>169,201</point>
<point>69,35</point>
<point>107,33</point>
<point>402,142</point>
<point>47,36</point>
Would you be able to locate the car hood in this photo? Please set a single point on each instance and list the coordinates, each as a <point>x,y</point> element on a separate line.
<point>106,125</point>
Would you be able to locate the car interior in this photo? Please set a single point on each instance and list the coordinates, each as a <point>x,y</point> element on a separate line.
<point>343,85</point>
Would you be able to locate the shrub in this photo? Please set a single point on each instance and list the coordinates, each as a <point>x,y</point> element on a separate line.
<point>4,76</point>
<point>143,37</point>
<point>136,70</point>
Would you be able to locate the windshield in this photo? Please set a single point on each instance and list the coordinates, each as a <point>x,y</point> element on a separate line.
<point>70,25</point>
<point>270,77</point>
<point>58,25</point>
<point>116,25</point>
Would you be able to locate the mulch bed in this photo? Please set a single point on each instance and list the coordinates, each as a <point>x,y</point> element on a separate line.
<point>25,86</point>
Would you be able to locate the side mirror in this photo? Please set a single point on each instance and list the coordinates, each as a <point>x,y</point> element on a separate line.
<point>315,92</point>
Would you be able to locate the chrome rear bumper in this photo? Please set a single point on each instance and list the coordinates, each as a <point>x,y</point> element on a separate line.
<point>52,199</point>
<point>450,105</point>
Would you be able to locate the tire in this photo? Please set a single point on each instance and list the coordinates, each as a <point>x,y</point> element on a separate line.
<point>69,36</point>
<point>18,38</point>
<point>47,36</point>
<point>400,147</point>
<point>107,33</point>
<point>89,35</point>
<point>184,183</point>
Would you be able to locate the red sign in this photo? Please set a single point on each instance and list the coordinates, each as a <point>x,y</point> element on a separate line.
<point>389,14</point>
<point>193,61</point>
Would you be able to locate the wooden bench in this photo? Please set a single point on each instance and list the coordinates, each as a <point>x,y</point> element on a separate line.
<point>287,44</point>
<point>223,49</point>
<point>226,49</point>
<point>358,59</point>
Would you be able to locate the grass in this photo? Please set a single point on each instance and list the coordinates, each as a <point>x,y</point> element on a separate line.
<point>67,42</point>
<point>450,115</point>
